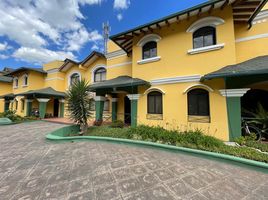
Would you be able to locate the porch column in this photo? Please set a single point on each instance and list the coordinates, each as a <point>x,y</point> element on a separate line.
<point>134,108</point>
<point>11,105</point>
<point>99,105</point>
<point>29,106</point>
<point>42,107</point>
<point>62,101</point>
<point>233,99</point>
<point>6,106</point>
<point>114,109</point>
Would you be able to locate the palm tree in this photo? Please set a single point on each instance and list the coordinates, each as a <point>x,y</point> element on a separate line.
<point>79,104</point>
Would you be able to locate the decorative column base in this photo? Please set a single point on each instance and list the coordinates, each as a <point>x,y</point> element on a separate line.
<point>42,107</point>
<point>99,106</point>
<point>233,98</point>
<point>61,114</point>
<point>114,109</point>
<point>134,108</point>
<point>29,105</point>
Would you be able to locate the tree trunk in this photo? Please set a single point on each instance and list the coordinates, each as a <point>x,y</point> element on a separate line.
<point>84,128</point>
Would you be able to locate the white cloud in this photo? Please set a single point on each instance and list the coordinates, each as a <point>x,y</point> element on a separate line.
<point>41,55</point>
<point>4,46</point>
<point>121,4</point>
<point>2,56</point>
<point>119,17</point>
<point>94,47</point>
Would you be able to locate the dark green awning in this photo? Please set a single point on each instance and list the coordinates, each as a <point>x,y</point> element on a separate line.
<point>255,66</point>
<point>7,96</point>
<point>119,82</point>
<point>46,92</point>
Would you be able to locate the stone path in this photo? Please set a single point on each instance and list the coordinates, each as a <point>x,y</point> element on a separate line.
<point>33,168</point>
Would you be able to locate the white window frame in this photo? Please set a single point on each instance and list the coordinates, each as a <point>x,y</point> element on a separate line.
<point>70,76</point>
<point>15,79</point>
<point>206,21</point>
<point>94,69</point>
<point>23,79</point>
<point>149,38</point>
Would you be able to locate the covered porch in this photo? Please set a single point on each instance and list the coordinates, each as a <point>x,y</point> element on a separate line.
<point>124,95</point>
<point>245,85</point>
<point>47,103</point>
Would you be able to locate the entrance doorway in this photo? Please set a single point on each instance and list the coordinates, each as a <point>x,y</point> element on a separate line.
<point>56,108</point>
<point>127,115</point>
<point>250,101</point>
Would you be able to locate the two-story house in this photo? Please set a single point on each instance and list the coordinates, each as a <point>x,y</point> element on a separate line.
<point>194,69</point>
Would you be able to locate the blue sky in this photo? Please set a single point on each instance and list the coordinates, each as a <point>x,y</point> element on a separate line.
<point>33,32</point>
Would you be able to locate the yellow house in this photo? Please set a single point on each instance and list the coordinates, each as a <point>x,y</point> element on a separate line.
<point>192,69</point>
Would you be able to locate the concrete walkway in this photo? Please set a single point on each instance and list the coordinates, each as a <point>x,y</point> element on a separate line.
<point>33,168</point>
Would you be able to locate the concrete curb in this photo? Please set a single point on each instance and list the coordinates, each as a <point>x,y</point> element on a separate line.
<point>60,135</point>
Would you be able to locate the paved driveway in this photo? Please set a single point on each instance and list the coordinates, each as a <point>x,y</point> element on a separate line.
<point>33,168</point>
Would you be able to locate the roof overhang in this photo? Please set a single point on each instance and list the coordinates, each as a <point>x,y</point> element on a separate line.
<point>22,69</point>
<point>252,7</point>
<point>46,92</point>
<point>119,82</point>
<point>92,58</point>
<point>68,63</point>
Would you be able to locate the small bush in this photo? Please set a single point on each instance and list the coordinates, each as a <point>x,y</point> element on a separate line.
<point>117,124</point>
<point>11,114</point>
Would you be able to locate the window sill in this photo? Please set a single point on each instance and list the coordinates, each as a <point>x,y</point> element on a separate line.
<point>15,87</point>
<point>198,119</point>
<point>154,116</point>
<point>206,49</point>
<point>25,86</point>
<point>148,60</point>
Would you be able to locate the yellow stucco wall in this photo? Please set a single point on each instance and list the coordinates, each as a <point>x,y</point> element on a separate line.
<point>5,88</point>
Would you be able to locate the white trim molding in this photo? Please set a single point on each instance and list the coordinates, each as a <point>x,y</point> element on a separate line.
<point>206,21</point>
<point>197,86</point>
<point>119,65</point>
<point>133,96</point>
<point>115,54</point>
<point>261,17</point>
<point>114,100</point>
<point>148,60</point>
<point>52,71</point>
<point>179,79</point>
<point>253,37</point>
<point>148,38</point>
<point>62,100</point>
<point>56,78</point>
<point>206,49</point>
<point>99,98</point>
<point>234,92</point>
<point>154,89</point>
<point>72,73</point>
<point>42,100</point>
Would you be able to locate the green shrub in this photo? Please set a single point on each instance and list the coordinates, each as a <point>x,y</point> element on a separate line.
<point>191,139</point>
<point>11,114</point>
<point>117,124</point>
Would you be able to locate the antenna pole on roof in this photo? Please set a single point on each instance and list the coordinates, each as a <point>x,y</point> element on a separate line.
<point>106,31</point>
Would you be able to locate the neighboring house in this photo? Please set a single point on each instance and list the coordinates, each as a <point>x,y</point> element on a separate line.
<point>193,69</point>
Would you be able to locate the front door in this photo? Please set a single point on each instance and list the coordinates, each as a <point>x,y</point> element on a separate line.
<point>127,115</point>
<point>56,108</point>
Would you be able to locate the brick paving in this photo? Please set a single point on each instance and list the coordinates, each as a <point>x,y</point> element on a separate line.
<point>32,168</point>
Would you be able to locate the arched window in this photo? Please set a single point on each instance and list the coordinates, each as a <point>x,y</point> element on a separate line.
<point>100,75</point>
<point>203,37</point>
<point>149,50</point>
<point>25,80</point>
<point>198,102</point>
<point>155,105</point>
<point>16,82</point>
<point>74,78</point>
